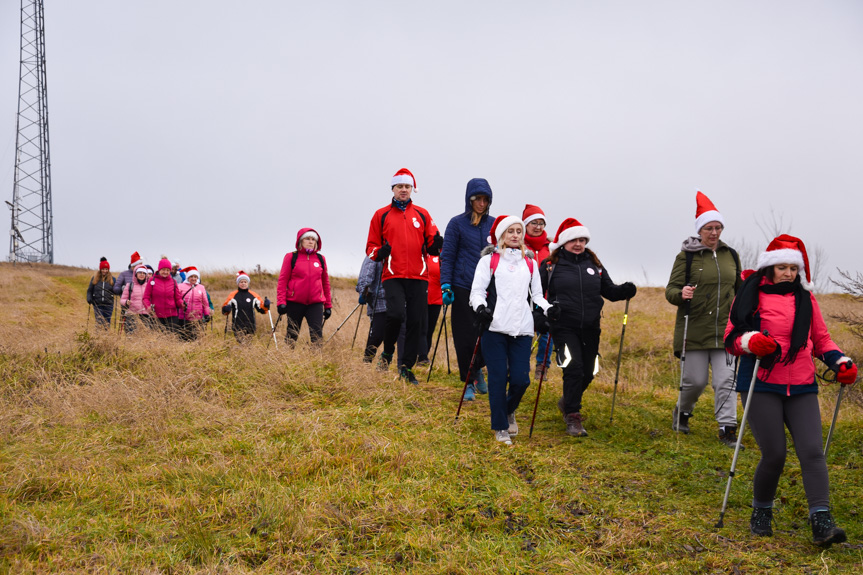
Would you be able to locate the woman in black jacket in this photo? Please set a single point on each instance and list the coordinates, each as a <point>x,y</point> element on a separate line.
<point>575,280</point>
<point>100,294</point>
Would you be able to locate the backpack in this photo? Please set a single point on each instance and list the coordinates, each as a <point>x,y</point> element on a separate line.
<point>384,218</point>
<point>297,254</point>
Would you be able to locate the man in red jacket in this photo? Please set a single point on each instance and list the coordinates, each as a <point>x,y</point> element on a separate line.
<point>400,236</point>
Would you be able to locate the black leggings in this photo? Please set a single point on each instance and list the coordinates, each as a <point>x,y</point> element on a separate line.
<point>464,334</point>
<point>582,346</point>
<point>314,316</point>
<point>769,415</point>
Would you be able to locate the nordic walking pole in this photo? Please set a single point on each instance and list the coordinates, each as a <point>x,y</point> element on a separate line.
<point>835,416</point>
<point>749,395</point>
<point>439,332</point>
<point>89,308</point>
<point>341,324</point>
<point>539,385</point>
<point>467,378</point>
<point>357,329</point>
<point>682,363</point>
<point>446,343</point>
<point>619,354</point>
<point>273,327</point>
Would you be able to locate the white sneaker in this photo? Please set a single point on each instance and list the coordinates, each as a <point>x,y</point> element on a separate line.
<point>502,435</point>
<point>513,426</point>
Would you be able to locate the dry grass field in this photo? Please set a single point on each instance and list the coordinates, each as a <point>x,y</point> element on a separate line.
<point>145,454</point>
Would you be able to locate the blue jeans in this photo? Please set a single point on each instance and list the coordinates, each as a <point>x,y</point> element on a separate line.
<point>542,342</point>
<point>507,360</point>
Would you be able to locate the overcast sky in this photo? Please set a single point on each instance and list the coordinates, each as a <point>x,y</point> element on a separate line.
<point>213,130</point>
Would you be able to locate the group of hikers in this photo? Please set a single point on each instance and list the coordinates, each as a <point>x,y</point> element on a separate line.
<point>504,281</point>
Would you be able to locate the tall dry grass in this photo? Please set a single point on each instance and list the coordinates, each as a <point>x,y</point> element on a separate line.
<point>147,454</point>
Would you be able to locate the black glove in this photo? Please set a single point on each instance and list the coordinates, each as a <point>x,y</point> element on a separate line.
<point>267,302</point>
<point>436,245</point>
<point>226,309</point>
<point>383,253</point>
<point>327,313</point>
<point>282,308</point>
<point>90,300</point>
<point>207,318</point>
<point>629,290</point>
<point>553,313</point>
<point>483,318</point>
<point>540,322</point>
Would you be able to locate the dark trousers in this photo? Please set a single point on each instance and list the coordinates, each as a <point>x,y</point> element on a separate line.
<point>407,301</point>
<point>170,324</point>
<point>464,333</point>
<point>428,329</point>
<point>102,313</point>
<point>508,362</point>
<point>582,346</point>
<point>769,415</point>
<point>312,313</point>
<point>376,337</point>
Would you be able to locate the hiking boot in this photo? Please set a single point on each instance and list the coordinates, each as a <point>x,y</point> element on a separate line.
<point>684,421</point>
<point>824,530</point>
<point>728,436</point>
<point>384,361</point>
<point>513,426</point>
<point>481,385</point>
<point>541,372</point>
<point>407,375</point>
<point>574,426</point>
<point>423,362</point>
<point>761,521</point>
<point>502,435</point>
<point>469,394</point>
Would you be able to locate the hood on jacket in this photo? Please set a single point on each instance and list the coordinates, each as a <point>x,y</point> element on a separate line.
<point>693,244</point>
<point>302,232</point>
<point>477,186</point>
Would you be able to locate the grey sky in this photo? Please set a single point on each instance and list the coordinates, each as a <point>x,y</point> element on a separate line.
<point>213,131</point>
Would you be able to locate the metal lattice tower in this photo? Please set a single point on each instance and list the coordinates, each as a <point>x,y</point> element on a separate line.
<point>32,234</point>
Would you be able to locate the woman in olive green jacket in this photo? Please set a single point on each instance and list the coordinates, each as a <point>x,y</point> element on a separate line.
<point>706,275</point>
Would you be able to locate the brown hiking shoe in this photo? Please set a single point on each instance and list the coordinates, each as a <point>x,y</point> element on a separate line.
<point>574,426</point>
<point>540,372</point>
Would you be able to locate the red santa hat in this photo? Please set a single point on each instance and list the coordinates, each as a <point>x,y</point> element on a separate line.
<point>103,264</point>
<point>241,275</point>
<point>500,225</point>
<point>705,212</point>
<point>136,260</point>
<point>192,271</point>
<point>787,249</point>
<point>570,229</point>
<point>531,213</point>
<point>404,176</point>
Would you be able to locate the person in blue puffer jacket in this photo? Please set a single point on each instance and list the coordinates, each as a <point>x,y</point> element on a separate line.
<point>466,236</point>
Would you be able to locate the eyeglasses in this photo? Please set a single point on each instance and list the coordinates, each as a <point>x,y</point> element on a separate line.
<point>711,229</point>
<point>537,223</point>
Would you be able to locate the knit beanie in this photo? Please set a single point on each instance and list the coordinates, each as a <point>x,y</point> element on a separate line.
<point>164,263</point>
<point>103,264</point>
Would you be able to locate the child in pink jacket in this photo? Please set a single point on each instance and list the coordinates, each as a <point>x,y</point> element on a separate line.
<point>776,318</point>
<point>303,291</point>
<point>162,296</point>
<point>132,299</point>
<point>196,309</point>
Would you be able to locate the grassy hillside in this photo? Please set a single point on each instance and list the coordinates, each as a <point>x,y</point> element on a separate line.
<point>147,455</point>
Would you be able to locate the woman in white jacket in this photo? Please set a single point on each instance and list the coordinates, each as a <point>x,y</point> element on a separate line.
<point>503,281</point>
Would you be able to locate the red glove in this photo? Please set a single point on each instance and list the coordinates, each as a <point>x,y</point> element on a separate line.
<point>759,344</point>
<point>847,373</point>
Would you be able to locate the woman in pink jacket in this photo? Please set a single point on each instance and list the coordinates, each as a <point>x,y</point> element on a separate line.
<point>776,317</point>
<point>132,299</point>
<point>304,287</point>
<point>196,309</point>
<point>162,296</point>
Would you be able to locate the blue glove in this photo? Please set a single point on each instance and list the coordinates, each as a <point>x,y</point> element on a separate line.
<point>362,298</point>
<point>446,294</point>
<point>267,302</point>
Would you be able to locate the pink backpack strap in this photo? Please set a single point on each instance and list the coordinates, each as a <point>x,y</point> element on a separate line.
<point>495,259</point>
